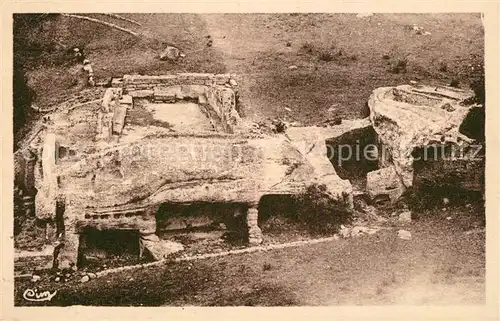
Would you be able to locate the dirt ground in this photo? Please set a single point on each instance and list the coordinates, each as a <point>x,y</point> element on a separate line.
<point>340,59</point>
<point>443,264</point>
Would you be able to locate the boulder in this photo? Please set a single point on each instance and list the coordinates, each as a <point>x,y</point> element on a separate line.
<point>161,249</point>
<point>405,217</point>
<point>384,182</point>
<point>404,235</point>
<point>170,53</point>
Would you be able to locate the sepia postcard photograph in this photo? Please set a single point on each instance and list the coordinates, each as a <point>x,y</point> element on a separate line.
<point>248,159</point>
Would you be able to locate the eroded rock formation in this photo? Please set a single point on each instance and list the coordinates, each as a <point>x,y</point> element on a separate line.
<point>422,123</point>
<point>111,165</point>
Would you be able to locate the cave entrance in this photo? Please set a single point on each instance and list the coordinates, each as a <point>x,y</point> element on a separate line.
<point>108,248</point>
<point>202,220</point>
<point>354,154</point>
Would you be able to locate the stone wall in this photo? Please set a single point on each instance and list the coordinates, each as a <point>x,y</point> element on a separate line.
<point>215,93</point>
<point>139,82</point>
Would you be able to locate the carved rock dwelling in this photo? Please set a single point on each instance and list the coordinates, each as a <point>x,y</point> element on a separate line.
<point>153,140</point>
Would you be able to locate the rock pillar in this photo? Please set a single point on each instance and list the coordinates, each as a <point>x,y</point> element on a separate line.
<point>66,252</point>
<point>254,231</point>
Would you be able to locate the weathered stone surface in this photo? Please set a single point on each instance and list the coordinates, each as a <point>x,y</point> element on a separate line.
<point>254,232</point>
<point>141,93</point>
<point>404,235</point>
<point>405,217</point>
<point>185,169</point>
<point>311,142</point>
<point>167,94</point>
<point>150,237</point>
<point>26,262</point>
<point>127,100</point>
<point>116,82</point>
<point>202,100</point>
<point>29,172</point>
<point>66,257</point>
<point>223,102</point>
<point>120,183</point>
<point>46,197</point>
<point>384,182</point>
<point>193,91</point>
<point>170,53</point>
<point>409,117</point>
<point>119,114</point>
<point>161,249</point>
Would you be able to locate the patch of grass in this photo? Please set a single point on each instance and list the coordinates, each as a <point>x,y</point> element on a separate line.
<point>308,47</point>
<point>443,66</point>
<point>319,212</point>
<point>455,83</point>
<point>398,65</point>
<point>325,56</point>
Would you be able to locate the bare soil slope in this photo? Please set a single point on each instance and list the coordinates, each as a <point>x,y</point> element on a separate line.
<point>340,58</point>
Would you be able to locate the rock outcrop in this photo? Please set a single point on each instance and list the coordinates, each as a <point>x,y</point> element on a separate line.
<point>119,180</point>
<point>418,118</point>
